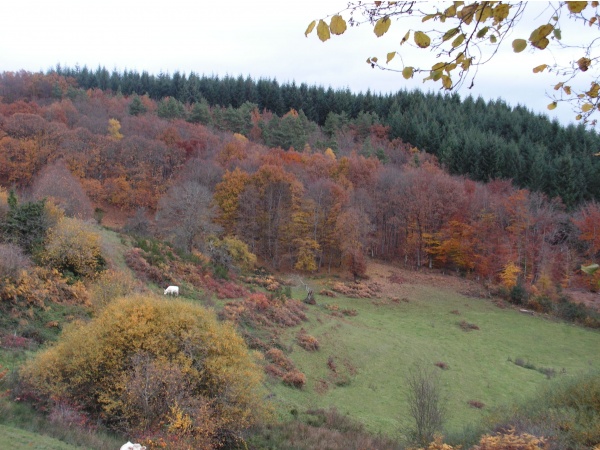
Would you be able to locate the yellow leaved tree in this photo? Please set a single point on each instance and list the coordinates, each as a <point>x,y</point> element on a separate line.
<point>465,35</point>
<point>147,366</point>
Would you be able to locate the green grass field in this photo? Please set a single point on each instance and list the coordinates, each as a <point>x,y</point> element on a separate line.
<point>375,349</point>
<point>18,439</point>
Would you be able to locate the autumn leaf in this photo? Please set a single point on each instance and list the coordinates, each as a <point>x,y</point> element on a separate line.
<point>539,38</point>
<point>382,26</point>
<point>576,7</point>
<point>407,72</point>
<point>584,63</point>
<point>390,56</point>
<point>405,38</point>
<point>446,82</point>
<point>501,12</point>
<point>552,106</point>
<point>421,39</point>
<point>540,68</point>
<point>587,107</point>
<point>323,31</point>
<point>310,28</point>
<point>338,25</point>
<point>519,45</point>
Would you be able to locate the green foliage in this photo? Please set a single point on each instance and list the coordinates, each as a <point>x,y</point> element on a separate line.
<point>170,108</point>
<point>141,356</point>
<point>566,412</point>
<point>25,224</point>
<point>136,107</point>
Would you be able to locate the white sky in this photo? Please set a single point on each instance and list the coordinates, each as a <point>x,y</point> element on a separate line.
<point>261,38</point>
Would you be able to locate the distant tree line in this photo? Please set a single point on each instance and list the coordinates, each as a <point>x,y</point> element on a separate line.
<point>479,139</point>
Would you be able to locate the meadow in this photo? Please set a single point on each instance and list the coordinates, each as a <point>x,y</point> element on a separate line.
<point>362,362</point>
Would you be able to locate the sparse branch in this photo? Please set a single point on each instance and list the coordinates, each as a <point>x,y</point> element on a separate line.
<point>469,35</point>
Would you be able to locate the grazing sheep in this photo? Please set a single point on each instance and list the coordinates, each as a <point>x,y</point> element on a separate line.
<point>172,290</point>
<point>130,446</point>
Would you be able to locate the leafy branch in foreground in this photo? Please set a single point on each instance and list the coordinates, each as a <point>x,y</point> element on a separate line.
<point>465,36</point>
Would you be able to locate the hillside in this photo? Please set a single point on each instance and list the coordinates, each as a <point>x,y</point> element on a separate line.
<point>315,278</point>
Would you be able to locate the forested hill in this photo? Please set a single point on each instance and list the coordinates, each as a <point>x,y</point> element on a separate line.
<point>483,140</point>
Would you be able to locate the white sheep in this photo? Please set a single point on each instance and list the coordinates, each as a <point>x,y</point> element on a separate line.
<point>172,290</point>
<point>130,446</point>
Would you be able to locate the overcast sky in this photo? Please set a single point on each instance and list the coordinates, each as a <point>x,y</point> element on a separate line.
<point>261,39</point>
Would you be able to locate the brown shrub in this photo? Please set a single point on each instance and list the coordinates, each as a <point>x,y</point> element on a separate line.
<point>258,310</point>
<point>476,404</point>
<point>441,365</point>
<point>277,357</point>
<point>466,326</point>
<point>328,293</point>
<point>306,341</point>
<point>295,378</point>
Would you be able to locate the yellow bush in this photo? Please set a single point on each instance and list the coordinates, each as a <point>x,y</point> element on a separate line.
<point>111,284</point>
<point>511,441</point>
<point>142,357</point>
<point>73,246</point>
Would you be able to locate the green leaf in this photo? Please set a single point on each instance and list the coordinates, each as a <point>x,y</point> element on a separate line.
<point>337,25</point>
<point>552,106</point>
<point>590,269</point>
<point>450,33</point>
<point>576,7</point>
<point>407,72</point>
<point>519,45</point>
<point>323,31</point>
<point>459,40</point>
<point>481,33</point>
<point>310,28</point>
<point>493,39</point>
<point>421,39</point>
<point>390,56</point>
<point>557,34</point>
<point>382,26</point>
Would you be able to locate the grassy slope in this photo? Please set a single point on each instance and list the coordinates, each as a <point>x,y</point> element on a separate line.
<point>17,439</point>
<point>386,338</point>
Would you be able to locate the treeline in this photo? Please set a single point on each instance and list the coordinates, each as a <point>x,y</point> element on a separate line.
<point>307,208</point>
<point>483,140</point>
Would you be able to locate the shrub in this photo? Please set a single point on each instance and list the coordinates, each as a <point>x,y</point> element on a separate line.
<point>111,284</point>
<point>510,440</point>
<point>12,261</point>
<point>141,356</point>
<point>295,378</point>
<point>476,404</point>
<point>306,341</point>
<point>72,246</point>
<point>466,326</point>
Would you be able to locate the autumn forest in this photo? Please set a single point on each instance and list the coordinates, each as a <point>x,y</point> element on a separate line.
<point>312,179</point>
<point>114,186</point>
